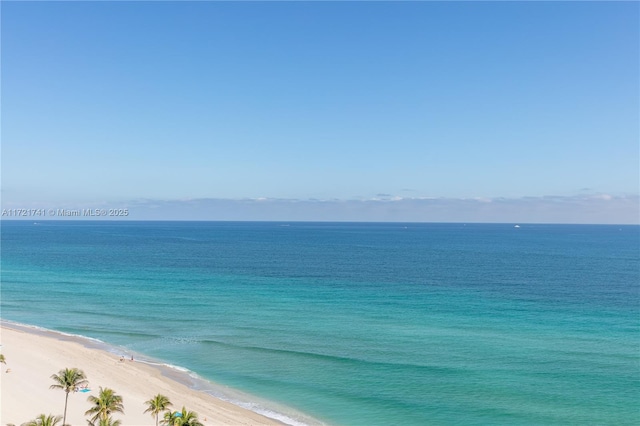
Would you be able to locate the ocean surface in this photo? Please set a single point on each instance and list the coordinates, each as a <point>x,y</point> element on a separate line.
<point>353,324</point>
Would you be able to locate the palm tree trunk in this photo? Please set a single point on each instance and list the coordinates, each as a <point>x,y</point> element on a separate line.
<point>64,418</point>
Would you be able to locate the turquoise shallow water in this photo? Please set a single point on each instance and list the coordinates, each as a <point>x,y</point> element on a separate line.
<point>355,324</point>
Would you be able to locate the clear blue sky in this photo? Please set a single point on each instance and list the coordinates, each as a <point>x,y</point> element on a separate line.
<point>133,104</point>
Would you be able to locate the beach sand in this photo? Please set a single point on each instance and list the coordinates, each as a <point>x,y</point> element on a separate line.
<point>33,356</point>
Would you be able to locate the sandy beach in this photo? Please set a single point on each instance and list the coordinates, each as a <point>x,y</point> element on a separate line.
<point>33,356</point>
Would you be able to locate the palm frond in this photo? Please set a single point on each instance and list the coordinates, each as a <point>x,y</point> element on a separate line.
<point>44,420</point>
<point>104,404</point>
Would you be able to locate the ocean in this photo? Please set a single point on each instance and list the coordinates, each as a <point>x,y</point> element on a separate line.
<point>353,323</point>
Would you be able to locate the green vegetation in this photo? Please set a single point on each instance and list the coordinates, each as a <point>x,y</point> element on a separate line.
<point>108,421</point>
<point>156,405</point>
<point>104,404</point>
<point>181,418</point>
<point>44,420</point>
<point>68,380</point>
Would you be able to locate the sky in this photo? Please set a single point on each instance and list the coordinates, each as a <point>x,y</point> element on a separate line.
<point>358,111</point>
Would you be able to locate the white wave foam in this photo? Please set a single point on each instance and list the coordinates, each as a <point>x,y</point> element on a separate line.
<point>48,330</point>
<point>78,336</point>
<point>175,367</point>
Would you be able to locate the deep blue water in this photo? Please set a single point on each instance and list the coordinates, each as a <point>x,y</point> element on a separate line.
<point>355,324</point>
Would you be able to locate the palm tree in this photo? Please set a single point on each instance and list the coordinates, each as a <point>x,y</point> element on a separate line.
<point>105,422</point>
<point>183,418</point>
<point>156,405</point>
<point>104,404</point>
<point>189,418</point>
<point>43,420</point>
<point>171,418</point>
<point>68,380</point>
<point>2,359</point>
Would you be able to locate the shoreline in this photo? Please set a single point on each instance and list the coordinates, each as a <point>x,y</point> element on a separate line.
<point>34,353</point>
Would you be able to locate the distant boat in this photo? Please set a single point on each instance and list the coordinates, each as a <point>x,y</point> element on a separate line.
<point>517,226</point>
